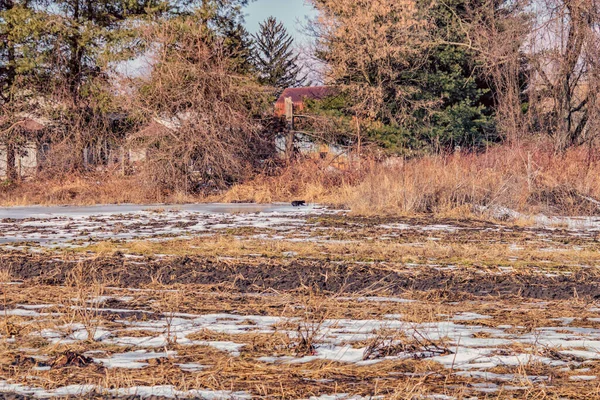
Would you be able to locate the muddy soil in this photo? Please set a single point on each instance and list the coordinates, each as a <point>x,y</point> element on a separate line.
<point>258,275</point>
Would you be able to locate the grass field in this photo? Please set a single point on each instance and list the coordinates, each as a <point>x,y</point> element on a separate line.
<point>298,304</point>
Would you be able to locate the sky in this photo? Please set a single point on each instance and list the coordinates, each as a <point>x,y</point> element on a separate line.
<point>293,14</point>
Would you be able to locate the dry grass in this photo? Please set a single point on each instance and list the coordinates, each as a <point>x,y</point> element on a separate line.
<point>528,179</point>
<point>475,248</point>
<point>86,190</point>
<point>529,257</point>
<point>401,379</point>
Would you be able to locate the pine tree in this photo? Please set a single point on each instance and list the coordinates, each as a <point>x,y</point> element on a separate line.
<point>274,58</point>
<point>20,42</point>
<point>238,46</point>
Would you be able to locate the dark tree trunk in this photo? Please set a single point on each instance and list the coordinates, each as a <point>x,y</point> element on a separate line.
<point>11,167</point>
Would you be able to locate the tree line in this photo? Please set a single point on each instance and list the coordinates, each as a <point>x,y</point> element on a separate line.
<point>410,76</point>
<point>446,73</point>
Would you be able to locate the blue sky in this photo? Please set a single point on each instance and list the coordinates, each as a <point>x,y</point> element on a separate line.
<point>292,13</point>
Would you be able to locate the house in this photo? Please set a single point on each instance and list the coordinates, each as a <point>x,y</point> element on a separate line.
<point>22,148</point>
<point>290,105</point>
<point>139,143</point>
<point>118,147</point>
<point>298,97</point>
<point>105,151</point>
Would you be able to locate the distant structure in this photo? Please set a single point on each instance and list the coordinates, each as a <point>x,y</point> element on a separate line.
<point>290,105</point>
<point>298,97</point>
<point>138,143</point>
<point>26,156</point>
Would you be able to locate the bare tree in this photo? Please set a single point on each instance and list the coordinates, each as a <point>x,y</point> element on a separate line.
<point>498,31</point>
<point>207,135</point>
<point>564,52</point>
<point>367,46</point>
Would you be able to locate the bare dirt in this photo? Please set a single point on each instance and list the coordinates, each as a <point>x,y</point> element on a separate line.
<point>330,278</point>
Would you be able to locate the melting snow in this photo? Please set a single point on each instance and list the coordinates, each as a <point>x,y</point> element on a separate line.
<point>133,359</point>
<point>142,391</point>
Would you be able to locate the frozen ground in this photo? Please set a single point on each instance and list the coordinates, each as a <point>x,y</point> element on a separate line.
<point>81,211</point>
<point>52,227</point>
<point>468,346</point>
<point>249,301</point>
<point>58,226</point>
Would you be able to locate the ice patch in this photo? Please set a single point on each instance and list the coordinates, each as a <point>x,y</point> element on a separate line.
<point>133,359</point>
<point>191,367</point>
<point>583,377</point>
<point>469,316</point>
<point>171,392</point>
<point>142,391</point>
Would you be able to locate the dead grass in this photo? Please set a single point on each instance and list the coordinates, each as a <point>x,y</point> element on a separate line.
<point>399,379</point>
<point>528,179</point>
<point>474,254</point>
<point>86,190</point>
<point>480,250</point>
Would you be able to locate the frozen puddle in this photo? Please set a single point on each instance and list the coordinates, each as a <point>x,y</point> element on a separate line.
<point>132,360</point>
<point>106,210</point>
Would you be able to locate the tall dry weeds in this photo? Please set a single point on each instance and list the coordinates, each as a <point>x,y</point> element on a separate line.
<point>528,179</point>
<point>89,288</point>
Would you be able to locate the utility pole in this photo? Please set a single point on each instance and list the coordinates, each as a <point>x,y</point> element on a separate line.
<point>289,116</point>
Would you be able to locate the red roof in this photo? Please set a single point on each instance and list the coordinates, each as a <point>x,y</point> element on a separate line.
<point>24,125</point>
<point>298,95</point>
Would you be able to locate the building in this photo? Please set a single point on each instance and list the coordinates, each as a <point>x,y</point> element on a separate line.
<point>25,151</point>
<point>299,96</point>
<point>138,144</point>
<point>291,105</point>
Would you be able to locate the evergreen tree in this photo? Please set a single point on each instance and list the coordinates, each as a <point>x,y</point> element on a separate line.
<point>407,74</point>
<point>86,37</point>
<point>450,75</point>
<point>20,42</point>
<point>274,59</point>
<point>238,44</point>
